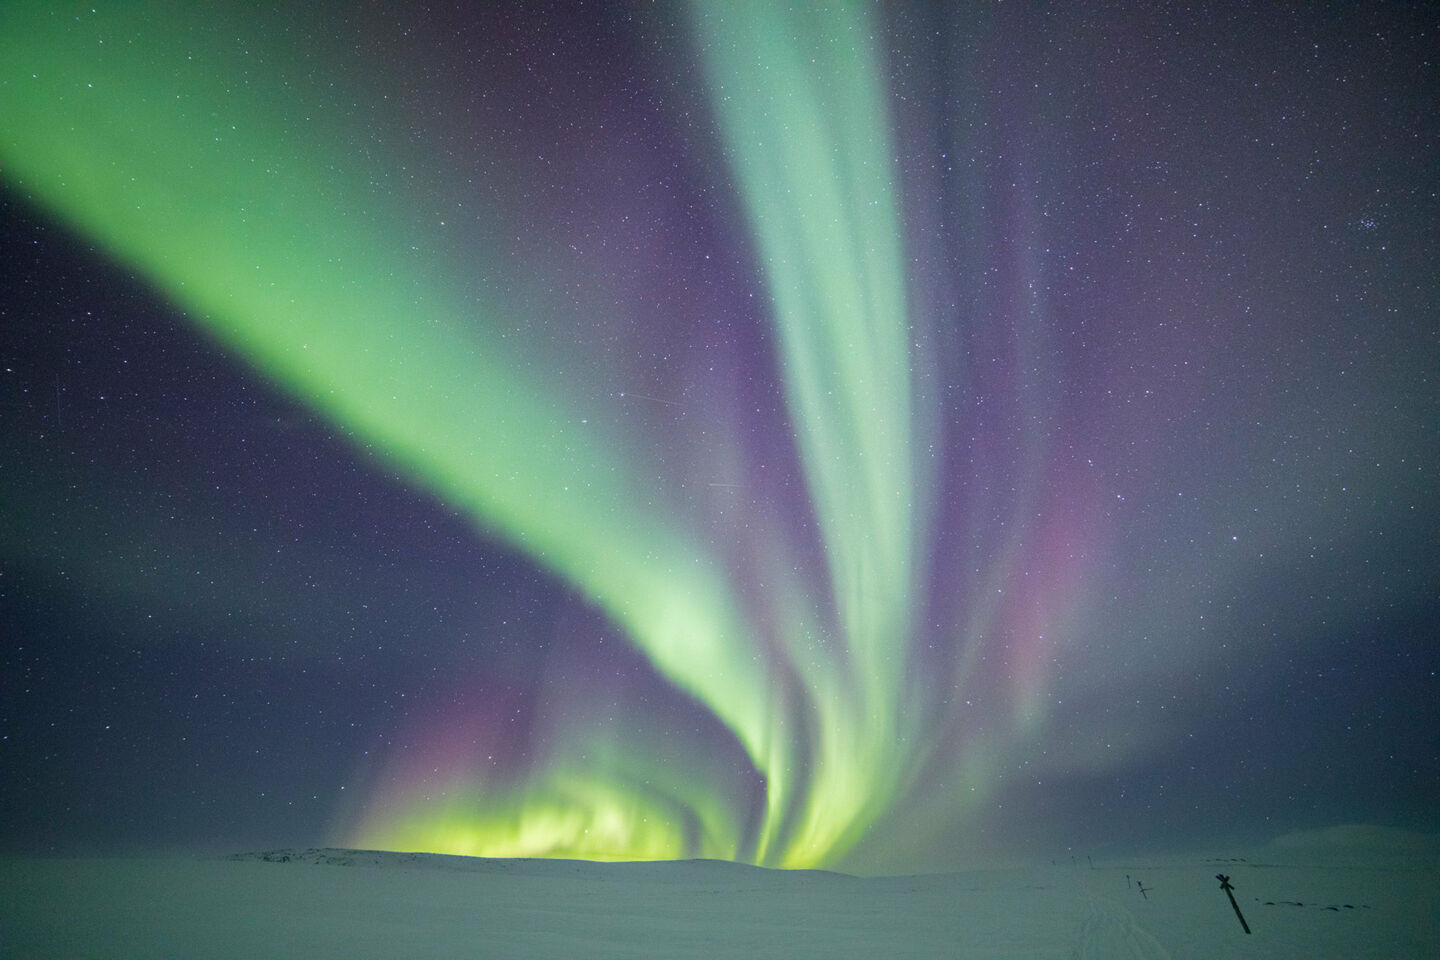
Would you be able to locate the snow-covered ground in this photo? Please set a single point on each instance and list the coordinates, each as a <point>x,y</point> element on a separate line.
<point>1354,893</point>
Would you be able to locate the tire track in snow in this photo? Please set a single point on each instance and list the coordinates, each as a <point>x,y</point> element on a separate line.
<point>1110,932</point>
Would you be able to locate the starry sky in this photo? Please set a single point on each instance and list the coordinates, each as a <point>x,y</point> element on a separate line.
<point>873,437</point>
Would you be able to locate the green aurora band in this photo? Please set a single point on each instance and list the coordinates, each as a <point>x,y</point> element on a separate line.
<point>219,178</point>
<point>803,115</point>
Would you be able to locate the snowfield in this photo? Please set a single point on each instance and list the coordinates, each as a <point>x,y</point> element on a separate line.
<point>1333,894</point>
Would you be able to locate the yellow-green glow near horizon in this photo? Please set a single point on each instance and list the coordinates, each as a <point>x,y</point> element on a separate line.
<point>622,804</point>
<point>231,189</point>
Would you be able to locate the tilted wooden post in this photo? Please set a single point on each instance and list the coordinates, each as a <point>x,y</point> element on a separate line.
<point>1230,892</point>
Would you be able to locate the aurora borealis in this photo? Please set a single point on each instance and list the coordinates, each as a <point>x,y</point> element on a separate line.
<point>862,438</point>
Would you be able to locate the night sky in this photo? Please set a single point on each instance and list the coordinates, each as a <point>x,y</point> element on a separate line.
<point>876,438</point>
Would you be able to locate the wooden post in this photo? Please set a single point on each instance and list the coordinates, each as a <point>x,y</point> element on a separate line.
<point>1230,892</point>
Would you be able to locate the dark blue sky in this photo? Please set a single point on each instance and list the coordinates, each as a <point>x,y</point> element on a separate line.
<point>1171,353</point>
